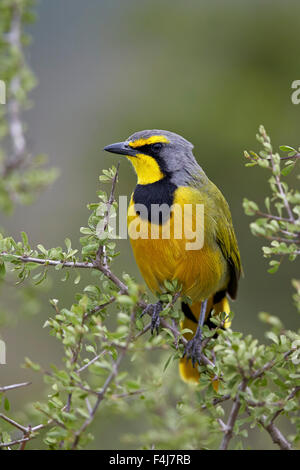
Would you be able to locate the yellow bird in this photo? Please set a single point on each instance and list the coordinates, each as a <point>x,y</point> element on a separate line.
<point>180,228</point>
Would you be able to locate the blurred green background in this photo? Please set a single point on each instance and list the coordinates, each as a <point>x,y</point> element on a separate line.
<point>211,71</point>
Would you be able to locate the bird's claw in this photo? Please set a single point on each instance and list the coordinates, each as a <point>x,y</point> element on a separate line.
<point>193,349</point>
<point>153,310</point>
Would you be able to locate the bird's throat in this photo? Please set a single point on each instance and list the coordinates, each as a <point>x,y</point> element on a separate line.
<point>147,169</point>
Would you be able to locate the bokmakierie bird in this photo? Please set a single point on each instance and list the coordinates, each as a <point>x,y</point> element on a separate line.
<point>168,174</point>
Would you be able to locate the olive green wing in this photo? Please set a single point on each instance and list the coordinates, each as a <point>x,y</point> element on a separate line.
<point>224,232</point>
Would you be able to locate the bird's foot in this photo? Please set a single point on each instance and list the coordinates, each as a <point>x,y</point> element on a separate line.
<point>193,349</point>
<point>153,310</point>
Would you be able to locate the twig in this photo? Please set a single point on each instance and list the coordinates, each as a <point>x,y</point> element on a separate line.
<point>276,404</point>
<point>279,239</point>
<point>100,307</point>
<point>110,275</point>
<point>50,262</point>
<point>12,443</point>
<point>216,401</point>
<point>7,388</point>
<point>25,430</point>
<point>26,436</point>
<point>279,185</point>
<point>78,371</point>
<point>228,431</point>
<point>100,263</point>
<point>101,257</point>
<point>290,397</point>
<point>14,423</point>
<point>142,332</point>
<point>291,157</point>
<point>276,436</point>
<point>104,389</point>
<point>271,364</point>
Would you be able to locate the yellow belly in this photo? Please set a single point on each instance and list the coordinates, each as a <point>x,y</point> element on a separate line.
<point>201,272</point>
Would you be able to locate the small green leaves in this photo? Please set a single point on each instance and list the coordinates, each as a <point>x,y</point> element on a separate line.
<point>20,183</point>
<point>108,175</point>
<point>274,263</point>
<point>287,170</point>
<point>250,207</point>
<point>125,300</point>
<point>6,404</point>
<point>31,365</point>
<point>287,148</point>
<point>2,270</point>
<point>270,320</point>
<point>280,226</point>
<point>270,335</point>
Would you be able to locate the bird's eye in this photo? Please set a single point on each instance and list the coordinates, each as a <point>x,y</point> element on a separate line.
<point>156,147</point>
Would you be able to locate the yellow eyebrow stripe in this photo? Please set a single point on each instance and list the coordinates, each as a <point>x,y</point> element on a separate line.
<point>151,140</point>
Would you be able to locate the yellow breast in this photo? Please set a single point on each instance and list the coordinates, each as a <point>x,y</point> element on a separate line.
<point>163,252</point>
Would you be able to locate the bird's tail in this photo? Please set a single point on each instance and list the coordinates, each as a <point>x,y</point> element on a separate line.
<point>187,372</point>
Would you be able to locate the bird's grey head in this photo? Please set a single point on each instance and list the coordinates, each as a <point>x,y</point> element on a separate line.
<point>171,152</point>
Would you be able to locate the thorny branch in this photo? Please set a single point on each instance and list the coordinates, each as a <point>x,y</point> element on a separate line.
<point>228,429</point>
<point>270,427</point>
<point>101,394</point>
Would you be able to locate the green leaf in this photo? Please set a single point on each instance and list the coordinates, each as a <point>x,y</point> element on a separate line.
<point>25,239</point>
<point>272,336</point>
<point>91,349</point>
<point>167,363</point>
<point>125,300</point>
<point>132,385</point>
<point>42,249</point>
<point>286,171</point>
<point>287,148</point>
<point>65,277</point>
<point>6,404</point>
<point>2,269</point>
<point>68,244</point>
<point>86,230</point>
<point>186,330</point>
<point>139,324</point>
<point>267,203</point>
<point>275,265</point>
<point>31,365</point>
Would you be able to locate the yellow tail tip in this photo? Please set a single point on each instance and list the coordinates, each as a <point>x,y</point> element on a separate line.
<point>188,373</point>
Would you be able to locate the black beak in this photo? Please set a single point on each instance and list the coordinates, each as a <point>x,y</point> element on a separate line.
<point>121,148</point>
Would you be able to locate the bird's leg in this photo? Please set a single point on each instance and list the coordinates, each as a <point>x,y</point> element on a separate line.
<point>153,310</point>
<point>192,349</point>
